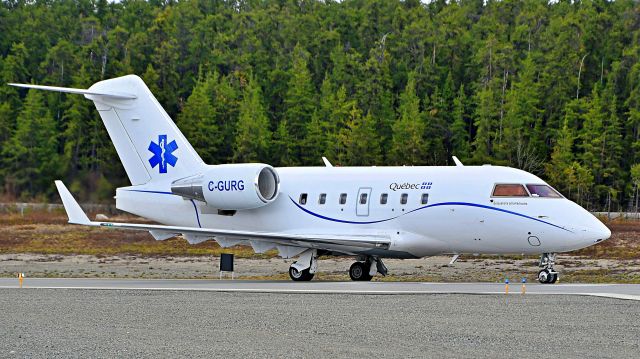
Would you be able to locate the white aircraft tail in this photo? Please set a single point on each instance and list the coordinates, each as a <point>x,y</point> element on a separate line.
<point>148,142</point>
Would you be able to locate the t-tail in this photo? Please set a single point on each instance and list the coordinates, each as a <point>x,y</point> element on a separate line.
<point>150,145</point>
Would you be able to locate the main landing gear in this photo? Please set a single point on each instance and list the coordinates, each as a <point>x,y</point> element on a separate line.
<point>300,275</point>
<point>364,270</point>
<point>547,275</point>
<point>305,267</point>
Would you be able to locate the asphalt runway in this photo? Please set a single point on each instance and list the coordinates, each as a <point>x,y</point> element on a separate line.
<point>214,321</point>
<point>618,291</point>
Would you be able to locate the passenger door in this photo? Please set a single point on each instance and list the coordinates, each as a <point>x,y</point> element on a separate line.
<point>364,197</point>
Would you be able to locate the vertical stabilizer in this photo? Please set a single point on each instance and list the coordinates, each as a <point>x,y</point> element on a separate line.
<point>148,142</point>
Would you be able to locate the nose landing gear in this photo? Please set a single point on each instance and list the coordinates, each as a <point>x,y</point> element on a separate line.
<point>547,275</point>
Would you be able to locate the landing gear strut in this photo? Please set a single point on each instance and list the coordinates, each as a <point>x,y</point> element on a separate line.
<point>305,267</point>
<point>364,270</point>
<point>547,275</point>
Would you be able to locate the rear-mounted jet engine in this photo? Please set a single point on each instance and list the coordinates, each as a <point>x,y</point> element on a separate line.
<point>232,186</point>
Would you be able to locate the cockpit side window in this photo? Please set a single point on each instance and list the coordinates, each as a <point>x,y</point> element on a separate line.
<point>542,190</point>
<point>509,190</point>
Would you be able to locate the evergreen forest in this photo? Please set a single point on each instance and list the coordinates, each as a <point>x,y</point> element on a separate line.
<point>551,87</point>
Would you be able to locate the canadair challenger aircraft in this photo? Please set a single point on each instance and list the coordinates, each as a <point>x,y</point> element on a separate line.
<point>370,213</point>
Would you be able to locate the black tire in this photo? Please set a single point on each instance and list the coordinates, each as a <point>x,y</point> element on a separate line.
<point>300,276</point>
<point>544,276</point>
<point>554,278</point>
<point>359,272</point>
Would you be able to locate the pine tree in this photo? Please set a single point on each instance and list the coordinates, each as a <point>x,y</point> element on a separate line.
<point>13,70</point>
<point>346,68</point>
<point>460,146</point>
<point>151,79</point>
<point>521,121</point>
<point>592,134</point>
<point>323,128</point>
<point>282,148</point>
<point>315,142</point>
<point>300,99</point>
<point>198,119</point>
<point>360,150</point>
<point>30,158</point>
<point>340,113</point>
<point>78,153</point>
<point>407,142</point>
<point>227,98</point>
<point>437,119</point>
<point>612,147</point>
<point>632,103</point>
<point>561,157</point>
<point>252,135</point>
<point>485,126</point>
<point>375,94</point>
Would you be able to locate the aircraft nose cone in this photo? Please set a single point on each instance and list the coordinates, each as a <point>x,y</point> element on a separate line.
<point>597,232</point>
<point>602,233</point>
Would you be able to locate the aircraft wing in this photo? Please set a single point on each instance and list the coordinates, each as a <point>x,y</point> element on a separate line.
<point>320,241</point>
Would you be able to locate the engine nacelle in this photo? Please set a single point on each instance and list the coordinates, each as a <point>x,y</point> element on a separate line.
<point>232,186</point>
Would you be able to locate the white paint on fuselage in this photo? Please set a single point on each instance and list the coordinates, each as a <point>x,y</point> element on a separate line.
<point>460,216</point>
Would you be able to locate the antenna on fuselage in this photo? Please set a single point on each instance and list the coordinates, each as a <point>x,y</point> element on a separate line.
<point>326,162</point>
<point>457,161</point>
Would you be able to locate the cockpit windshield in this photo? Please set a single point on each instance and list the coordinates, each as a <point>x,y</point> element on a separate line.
<point>542,190</point>
<point>510,190</point>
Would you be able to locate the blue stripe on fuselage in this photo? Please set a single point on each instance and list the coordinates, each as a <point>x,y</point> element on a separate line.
<point>424,207</point>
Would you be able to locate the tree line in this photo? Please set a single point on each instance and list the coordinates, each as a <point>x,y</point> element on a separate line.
<point>549,87</point>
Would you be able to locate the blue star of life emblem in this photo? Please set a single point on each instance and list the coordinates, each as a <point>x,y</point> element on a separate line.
<point>163,153</point>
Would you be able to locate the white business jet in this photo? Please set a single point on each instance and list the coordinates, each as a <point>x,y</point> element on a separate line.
<point>369,213</point>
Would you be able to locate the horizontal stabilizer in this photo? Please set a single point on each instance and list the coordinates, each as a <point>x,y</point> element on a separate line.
<point>74,212</point>
<point>114,95</point>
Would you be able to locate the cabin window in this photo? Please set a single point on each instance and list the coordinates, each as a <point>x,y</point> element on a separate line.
<point>509,190</point>
<point>403,198</point>
<point>363,198</point>
<point>383,198</point>
<point>542,190</point>
<point>323,198</point>
<point>343,198</point>
<point>425,198</point>
<point>303,199</point>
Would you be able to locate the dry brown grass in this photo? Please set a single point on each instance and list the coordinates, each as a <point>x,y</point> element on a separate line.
<point>49,233</point>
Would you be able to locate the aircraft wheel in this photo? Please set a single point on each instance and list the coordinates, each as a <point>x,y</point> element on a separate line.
<point>554,278</point>
<point>359,272</point>
<point>300,276</point>
<point>544,276</point>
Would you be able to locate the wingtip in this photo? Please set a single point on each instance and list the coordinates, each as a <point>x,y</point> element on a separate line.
<point>74,212</point>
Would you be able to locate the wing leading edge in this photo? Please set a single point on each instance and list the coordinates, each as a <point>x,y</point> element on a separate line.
<point>318,241</point>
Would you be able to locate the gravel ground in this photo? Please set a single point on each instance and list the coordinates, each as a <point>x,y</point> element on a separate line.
<point>435,269</point>
<point>120,323</point>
